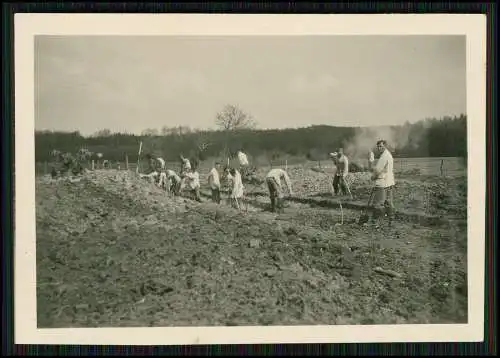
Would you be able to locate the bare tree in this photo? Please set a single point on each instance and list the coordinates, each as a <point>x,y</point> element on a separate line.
<point>233,118</point>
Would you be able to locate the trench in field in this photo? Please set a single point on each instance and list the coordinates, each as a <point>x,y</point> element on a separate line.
<point>257,200</point>
<point>260,201</point>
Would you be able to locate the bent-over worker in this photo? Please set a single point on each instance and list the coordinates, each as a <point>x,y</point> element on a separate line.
<point>273,180</point>
<point>151,176</point>
<point>170,181</point>
<point>160,163</point>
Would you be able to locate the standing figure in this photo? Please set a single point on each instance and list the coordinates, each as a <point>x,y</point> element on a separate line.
<point>383,179</point>
<point>238,189</point>
<point>185,169</point>
<point>185,164</point>
<point>214,183</point>
<point>342,164</point>
<point>193,179</point>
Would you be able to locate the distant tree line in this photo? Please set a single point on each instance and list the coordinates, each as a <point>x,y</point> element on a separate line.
<point>444,137</point>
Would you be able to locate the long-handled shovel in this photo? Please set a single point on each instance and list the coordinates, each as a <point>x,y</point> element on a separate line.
<point>364,216</point>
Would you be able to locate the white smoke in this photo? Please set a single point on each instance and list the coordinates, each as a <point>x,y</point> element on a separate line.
<point>365,140</point>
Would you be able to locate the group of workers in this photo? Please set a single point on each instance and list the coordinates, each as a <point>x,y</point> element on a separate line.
<point>381,198</point>
<point>189,177</point>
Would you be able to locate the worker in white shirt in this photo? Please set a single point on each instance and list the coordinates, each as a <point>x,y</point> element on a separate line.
<point>193,181</point>
<point>383,178</point>
<point>228,179</point>
<point>214,182</point>
<point>186,164</point>
<point>185,168</point>
<point>273,180</point>
<point>371,159</point>
<point>237,189</point>
<point>170,181</point>
<point>333,156</point>
<point>243,160</point>
<point>152,177</point>
<point>342,169</point>
<point>160,163</point>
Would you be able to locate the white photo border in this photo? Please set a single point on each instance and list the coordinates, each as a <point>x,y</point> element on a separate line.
<point>28,25</point>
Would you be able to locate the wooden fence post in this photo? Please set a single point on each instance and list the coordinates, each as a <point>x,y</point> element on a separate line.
<point>126,161</point>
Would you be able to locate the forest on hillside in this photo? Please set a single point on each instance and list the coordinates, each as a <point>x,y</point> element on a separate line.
<point>434,137</point>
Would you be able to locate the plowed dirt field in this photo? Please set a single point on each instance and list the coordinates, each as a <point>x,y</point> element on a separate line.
<point>114,250</point>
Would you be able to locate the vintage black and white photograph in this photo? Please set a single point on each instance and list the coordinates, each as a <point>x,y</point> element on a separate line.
<point>248,180</point>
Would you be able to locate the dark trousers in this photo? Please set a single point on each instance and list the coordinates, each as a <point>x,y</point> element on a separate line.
<point>339,185</point>
<point>216,195</point>
<point>175,187</point>
<point>275,194</point>
<point>195,193</point>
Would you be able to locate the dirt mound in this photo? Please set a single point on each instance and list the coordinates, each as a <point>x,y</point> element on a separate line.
<point>114,250</point>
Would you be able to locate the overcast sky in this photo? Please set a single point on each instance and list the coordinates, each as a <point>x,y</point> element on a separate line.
<point>132,83</point>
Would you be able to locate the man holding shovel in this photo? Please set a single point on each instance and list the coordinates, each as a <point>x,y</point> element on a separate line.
<point>382,191</point>
<point>339,180</point>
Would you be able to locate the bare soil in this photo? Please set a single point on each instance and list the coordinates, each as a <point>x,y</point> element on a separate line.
<point>114,250</point>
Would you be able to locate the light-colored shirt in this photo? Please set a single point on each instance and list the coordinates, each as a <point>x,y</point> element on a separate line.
<point>213,179</point>
<point>194,179</point>
<point>171,175</point>
<point>342,165</point>
<point>277,174</point>
<point>384,169</point>
<point>238,187</point>
<point>153,174</point>
<point>242,158</point>
<point>186,164</point>
<point>161,162</point>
